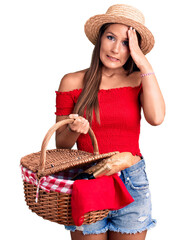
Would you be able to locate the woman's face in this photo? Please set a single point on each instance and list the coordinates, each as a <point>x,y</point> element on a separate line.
<point>114,50</point>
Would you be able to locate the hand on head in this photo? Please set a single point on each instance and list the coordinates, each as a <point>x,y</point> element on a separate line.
<point>135,51</point>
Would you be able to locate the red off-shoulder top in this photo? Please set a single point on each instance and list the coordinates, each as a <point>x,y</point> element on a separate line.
<point>120,115</point>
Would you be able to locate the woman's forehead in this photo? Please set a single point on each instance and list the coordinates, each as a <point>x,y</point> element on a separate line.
<point>118,28</point>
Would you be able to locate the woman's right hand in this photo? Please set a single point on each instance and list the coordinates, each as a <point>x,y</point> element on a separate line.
<point>80,124</point>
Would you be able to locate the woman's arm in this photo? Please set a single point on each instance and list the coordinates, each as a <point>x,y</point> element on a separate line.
<point>151,97</point>
<point>66,136</point>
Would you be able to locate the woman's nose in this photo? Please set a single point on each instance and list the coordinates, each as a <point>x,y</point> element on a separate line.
<point>115,47</point>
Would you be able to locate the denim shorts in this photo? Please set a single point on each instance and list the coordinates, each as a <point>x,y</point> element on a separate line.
<point>136,217</point>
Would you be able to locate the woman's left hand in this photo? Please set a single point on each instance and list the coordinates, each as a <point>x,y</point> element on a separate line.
<point>135,51</point>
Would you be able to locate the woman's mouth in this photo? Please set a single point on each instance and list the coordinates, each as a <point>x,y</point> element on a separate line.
<point>113,59</point>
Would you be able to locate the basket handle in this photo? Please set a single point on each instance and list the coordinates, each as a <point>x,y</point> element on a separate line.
<point>49,135</point>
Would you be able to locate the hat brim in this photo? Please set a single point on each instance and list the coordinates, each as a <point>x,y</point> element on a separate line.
<point>94,23</point>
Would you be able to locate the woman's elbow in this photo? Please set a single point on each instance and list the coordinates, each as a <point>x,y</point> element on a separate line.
<point>155,121</point>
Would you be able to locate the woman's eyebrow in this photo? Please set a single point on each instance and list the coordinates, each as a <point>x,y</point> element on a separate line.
<point>126,38</point>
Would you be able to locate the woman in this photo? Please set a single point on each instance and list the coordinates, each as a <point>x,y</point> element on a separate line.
<point>108,96</point>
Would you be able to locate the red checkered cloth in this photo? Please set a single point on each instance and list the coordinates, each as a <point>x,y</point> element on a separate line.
<point>58,182</point>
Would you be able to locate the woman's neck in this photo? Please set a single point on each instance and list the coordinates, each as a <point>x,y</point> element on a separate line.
<point>108,72</point>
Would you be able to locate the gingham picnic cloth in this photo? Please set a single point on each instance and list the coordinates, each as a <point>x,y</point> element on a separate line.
<point>54,182</point>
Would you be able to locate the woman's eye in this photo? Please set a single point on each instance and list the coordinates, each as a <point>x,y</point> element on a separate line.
<point>110,37</point>
<point>126,43</point>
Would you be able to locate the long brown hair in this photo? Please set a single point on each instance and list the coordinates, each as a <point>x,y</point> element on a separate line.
<point>88,99</point>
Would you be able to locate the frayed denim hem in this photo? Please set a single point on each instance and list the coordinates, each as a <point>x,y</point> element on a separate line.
<point>114,229</point>
<point>72,229</point>
<point>103,230</point>
<point>127,231</point>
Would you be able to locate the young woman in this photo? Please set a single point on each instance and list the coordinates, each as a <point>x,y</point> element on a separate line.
<point>108,96</point>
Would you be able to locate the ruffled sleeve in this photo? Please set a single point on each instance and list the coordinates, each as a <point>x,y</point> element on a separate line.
<point>64,103</point>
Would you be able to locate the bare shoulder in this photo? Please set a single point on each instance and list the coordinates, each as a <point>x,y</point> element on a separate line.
<point>135,78</point>
<point>71,81</point>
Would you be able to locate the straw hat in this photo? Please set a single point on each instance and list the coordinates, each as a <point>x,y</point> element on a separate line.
<point>124,14</point>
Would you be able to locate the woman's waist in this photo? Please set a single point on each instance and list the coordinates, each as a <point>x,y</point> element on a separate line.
<point>105,148</point>
<point>138,165</point>
<point>136,159</point>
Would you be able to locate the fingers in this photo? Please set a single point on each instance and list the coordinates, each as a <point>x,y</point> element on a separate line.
<point>134,48</point>
<point>131,30</point>
<point>73,116</point>
<point>80,125</point>
<point>132,35</point>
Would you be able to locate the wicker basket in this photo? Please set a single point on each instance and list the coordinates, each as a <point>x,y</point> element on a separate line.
<point>56,206</point>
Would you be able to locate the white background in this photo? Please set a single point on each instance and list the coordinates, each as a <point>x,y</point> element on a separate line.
<point>42,40</point>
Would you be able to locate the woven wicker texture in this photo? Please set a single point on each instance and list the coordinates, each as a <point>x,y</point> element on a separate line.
<point>47,162</point>
<point>56,206</point>
<point>61,159</point>
<point>124,14</point>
